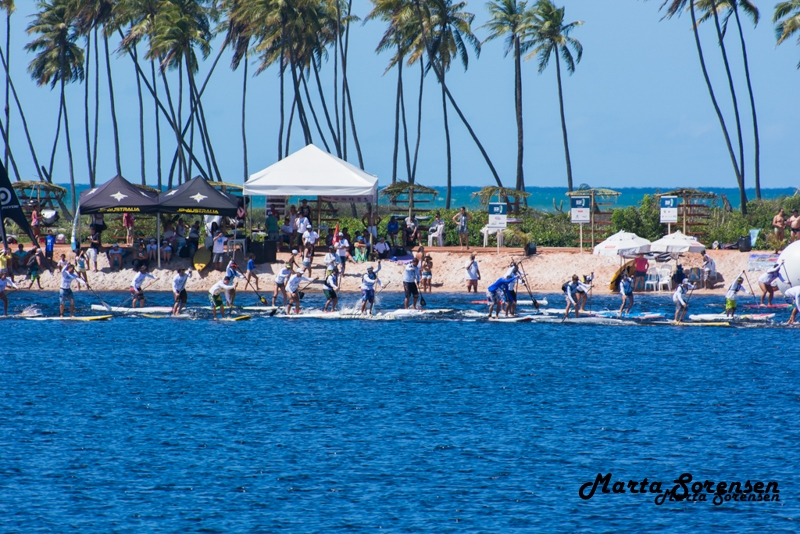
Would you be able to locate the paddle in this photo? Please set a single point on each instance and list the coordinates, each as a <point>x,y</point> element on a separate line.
<point>527,286</point>
<point>300,293</point>
<point>752,293</point>
<point>131,297</point>
<point>104,303</point>
<point>421,298</point>
<point>247,282</point>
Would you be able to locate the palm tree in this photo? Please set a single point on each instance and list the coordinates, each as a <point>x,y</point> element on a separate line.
<point>675,7</point>
<point>510,18</point>
<point>731,7</point>
<point>238,38</point>
<point>550,36</point>
<point>58,59</point>
<point>787,21</point>
<point>9,7</point>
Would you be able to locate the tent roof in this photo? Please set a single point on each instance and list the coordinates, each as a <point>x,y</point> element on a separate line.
<point>622,243</point>
<point>118,195</point>
<point>197,197</point>
<point>313,172</point>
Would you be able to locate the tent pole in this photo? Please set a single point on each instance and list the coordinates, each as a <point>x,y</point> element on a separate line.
<point>158,237</point>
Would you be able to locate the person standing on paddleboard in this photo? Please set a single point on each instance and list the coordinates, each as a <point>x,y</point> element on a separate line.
<point>473,274</point>
<point>330,290</point>
<point>411,277</point>
<point>280,283</point>
<point>681,304</point>
<point>65,294</point>
<point>498,292</point>
<point>368,282</point>
<point>232,272</point>
<point>179,290</point>
<point>793,297</point>
<point>215,296</point>
<point>511,301</point>
<point>137,294</point>
<point>3,283</point>
<point>293,288</point>
<point>730,296</point>
<point>571,294</point>
<point>626,292</point>
<point>767,280</point>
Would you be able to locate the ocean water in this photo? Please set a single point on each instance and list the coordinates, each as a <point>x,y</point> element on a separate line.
<point>442,425</point>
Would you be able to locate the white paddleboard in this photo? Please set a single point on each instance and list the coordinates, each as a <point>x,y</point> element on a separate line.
<point>712,317</point>
<point>84,318</point>
<point>146,309</point>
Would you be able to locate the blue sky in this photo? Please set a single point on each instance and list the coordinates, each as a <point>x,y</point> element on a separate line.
<point>638,112</point>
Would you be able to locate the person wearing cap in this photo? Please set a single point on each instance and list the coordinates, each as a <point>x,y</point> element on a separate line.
<point>331,286</point>
<point>626,292</point>
<point>571,293</point>
<point>251,273</point>
<point>137,293</point>
<point>473,274</point>
<point>310,238</point>
<point>215,295</point>
<point>794,226</point>
<point>232,271</point>
<point>513,273</point>
<point>730,296</point>
<point>584,288</point>
<point>293,288</point>
<point>411,277</point>
<point>681,303</point>
<point>280,283</point>
<point>360,248</point>
<point>497,292</point>
<point>4,282</point>
<point>342,251</point>
<point>65,293</point>
<point>329,260</point>
<point>368,282</point>
<point>115,256</point>
<point>140,257</point>
<point>166,251</point>
<point>766,282</point>
<point>152,250</point>
<point>179,289</point>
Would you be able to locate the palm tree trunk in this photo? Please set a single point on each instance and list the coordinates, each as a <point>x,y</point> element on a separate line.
<point>732,89</point>
<point>86,115</point>
<point>518,109</point>
<point>96,100</point>
<point>158,125</point>
<point>7,108</point>
<point>69,149</point>
<point>113,107</point>
<point>563,121</point>
<point>313,111</point>
<point>175,129</point>
<point>282,106</point>
<point>325,105</point>
<point>55,141</point>
<point>10,153</point>
<point>419,120</point>
<point>449,194</point>
<point>742,196</point>
<point>42,176</point>
<point>141,121</point>
<point>757,154</point>
<point>244,117</point>
<point>289,126</point>
<point>301,115</point>
<point>346,89</point>
<point>182,175</point>
<point>396,122</point>
<point>405,125</point>
<point>206,136</point>
<point>336,42</point>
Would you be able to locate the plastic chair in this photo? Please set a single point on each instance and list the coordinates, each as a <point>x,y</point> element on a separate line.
<point>438,233</point>
<point>664,279</point>
<point>652,278</point>
<point>486,231</point>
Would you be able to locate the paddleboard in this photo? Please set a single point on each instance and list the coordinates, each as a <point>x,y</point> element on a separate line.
<point>776,306</point>
<point>411,313</point>
<point>248,308</point>
<point>711,317</point>
<point>518,319</point>
<point>721,323</point>
<point>201,259</point>
<point>84,318</point>
<point>521,302</point>
<point>146,309</point>
<point>628,267</point>
<point>239,318</point>
<point>635,316</point>
<point>151,316</point>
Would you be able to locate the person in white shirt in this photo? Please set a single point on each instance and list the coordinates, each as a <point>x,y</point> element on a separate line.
<point>342,251</point>
<point>513,274</point>
<point>301,224</point>
<point>280,283</point>
<point>179,289</point>
<point>330,260</point>
<point>411,277</point>
<point>3,283</point>
<point>115,257</point>
<point>62,263</point>
<point>730,296</point>
<point>65,294</point>
<point>767,280</point>
<point>293,288</point>
<point>709,267</point>
<point>137,293</point>
<point>368,282</point>
<point>681,304</point>
<point>793,296</point>
<point>330,290</point>
<point>215,296</point>
<point>383,249</point>
<point>310,237</point>
<point>473,274</point>
<point>219,250</point>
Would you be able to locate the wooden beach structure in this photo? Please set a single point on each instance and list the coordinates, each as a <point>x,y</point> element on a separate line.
<point>601,200</point>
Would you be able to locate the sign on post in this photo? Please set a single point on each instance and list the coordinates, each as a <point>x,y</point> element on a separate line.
<point>498,213</point>
<point>669,210</point>
<point>580,209</point>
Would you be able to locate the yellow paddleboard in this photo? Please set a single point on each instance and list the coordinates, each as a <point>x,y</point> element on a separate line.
<point>721,323</point>
<point>239,318</point>
<point>87,318</point>
<point>202,258</point>
<point>627,267</point>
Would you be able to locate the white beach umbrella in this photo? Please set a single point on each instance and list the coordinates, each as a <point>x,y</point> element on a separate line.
<point>677,242</point>
<point>622,243</point>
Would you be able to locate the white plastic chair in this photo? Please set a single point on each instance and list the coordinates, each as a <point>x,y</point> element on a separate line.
<point>652,279</point>
<point>665,279</point>
<point>486,231</point>
<point>437,233</point>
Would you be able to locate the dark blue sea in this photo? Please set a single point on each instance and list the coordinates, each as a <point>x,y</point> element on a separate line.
<point>442,425</point>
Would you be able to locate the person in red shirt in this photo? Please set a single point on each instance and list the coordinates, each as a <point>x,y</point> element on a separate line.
<point>640,265</point>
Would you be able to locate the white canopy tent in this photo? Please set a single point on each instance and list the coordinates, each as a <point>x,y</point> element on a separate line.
<point>311,172</point>
<point>622,243</point>
<point>677,242</point>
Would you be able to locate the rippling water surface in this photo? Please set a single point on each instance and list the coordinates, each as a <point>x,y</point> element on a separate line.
<point>137,425</point>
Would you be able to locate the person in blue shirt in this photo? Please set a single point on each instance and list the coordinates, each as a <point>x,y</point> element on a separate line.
<point>626,291</point>
<point>232,272</point>
<point>251,273</point>
<point>498,292</point>
<point>392,228</point>
<point>49,245</point>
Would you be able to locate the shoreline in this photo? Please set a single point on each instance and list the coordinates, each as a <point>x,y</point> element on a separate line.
<point>547,271</point>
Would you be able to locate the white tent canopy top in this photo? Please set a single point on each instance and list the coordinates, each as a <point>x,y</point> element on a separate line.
<point>677,242</point>
<point>622,243</point>
<point>311,172</point>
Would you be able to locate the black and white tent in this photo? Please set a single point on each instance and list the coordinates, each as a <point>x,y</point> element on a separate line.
<point>197,197</point>
<point>118,195</point>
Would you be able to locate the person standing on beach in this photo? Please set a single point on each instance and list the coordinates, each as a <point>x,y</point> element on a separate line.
<point>767,280</point>
<point>65,294</point>
<point>342,251</point>
<point>368,282</point>
<point>127,222</point>
<point>730,296</point>
<point>371,221</point>
<point>179,290</point>
<point>137,293</point>
<point>35,267</point>
<point>626,292</point>
<point>4,282</point>
<point>219,250</point>
<point>779,224</point>
<point>94,247</point>
<point>461,219</point>
<point>473,274</point>
<point>681,304</point>
<point>640,265</point>
<point>215,296</point>
<point>794,226</point>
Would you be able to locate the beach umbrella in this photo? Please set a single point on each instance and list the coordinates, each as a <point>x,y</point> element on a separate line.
<point>677,242</point>
<point>622,243</point>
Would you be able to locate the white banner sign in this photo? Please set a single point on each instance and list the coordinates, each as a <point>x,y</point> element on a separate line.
<point>581,209</point>
<point>669,210</point>
<point>498,215</point>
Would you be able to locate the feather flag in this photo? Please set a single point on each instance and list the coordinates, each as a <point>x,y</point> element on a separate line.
<point>11,209</point>
<point>335,239</point>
